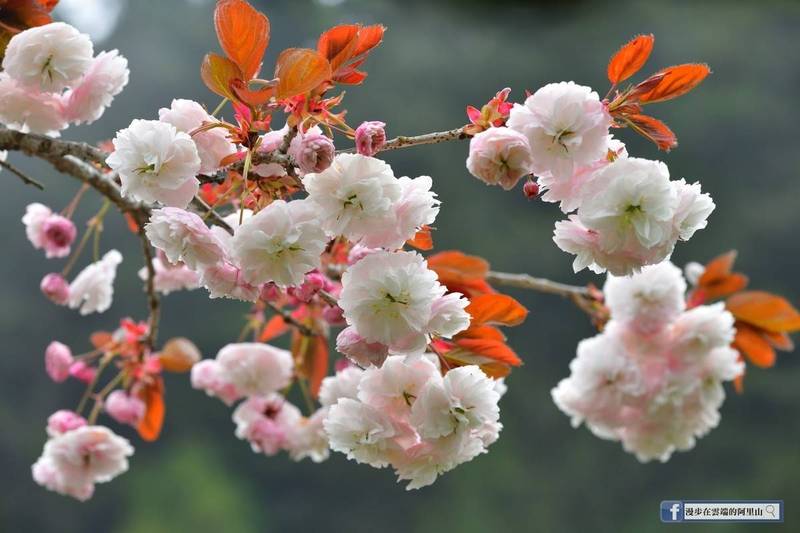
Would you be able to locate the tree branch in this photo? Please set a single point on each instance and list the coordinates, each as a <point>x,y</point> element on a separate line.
<point>48,147</point>
<point>150,287</point>
<point>403,141</point>
<point>525,281</point>
<point>289,319</point>
<point>21,175</point>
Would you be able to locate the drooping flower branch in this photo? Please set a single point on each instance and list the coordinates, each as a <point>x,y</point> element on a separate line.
<point>313,238</point>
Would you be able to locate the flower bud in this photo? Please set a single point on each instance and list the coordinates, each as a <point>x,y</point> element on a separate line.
<point>56,288</point>
<point>124,408</point>
<point>358,350</point>
<point>312,151</point>
<point>370,138</point>
<point>179,355</point>
<point>82,372</point>
<point>58,361</point>
<point>63,421</point>
<point>530,189</point>
<point>312,284</point>
<point>333,315</point>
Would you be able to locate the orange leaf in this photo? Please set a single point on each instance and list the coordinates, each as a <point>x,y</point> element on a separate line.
<point>481,332</point>
<point>674,82</point>
<point>275,327</point>
<point>764,310</point>
<point>311,359</point>
<point>461,273</point>
<point>496,309</point>
<point>249,96</point>
<point>654,130</point>
<point>133,226</point>
<point>218,73</point>
<point>338,44</point>
<point>299,70</point>
<point>153,397</point>
<point>101,339</point>
<point>779,341</point>
<point>458,266</point>
<point>243,33</point>
<point>717,279</point>
<point>754,346</point>
<point>368,38</point>
<point>423,240</point>
<point>492,349</point>
<point>630,58</point>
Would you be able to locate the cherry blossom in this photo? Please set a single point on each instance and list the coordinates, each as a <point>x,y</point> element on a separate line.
<point>156,163</point>
<point>370,137</point>
<point>49,57</point>
<point>95,91</point>
<point>184,237</point>
<point>255,369</point>
<point>500,156</point>
<point>312,151</point>
<point>58,360</point>
<point>93,289</point>
<point>124,407</point>
<point>56,288</point>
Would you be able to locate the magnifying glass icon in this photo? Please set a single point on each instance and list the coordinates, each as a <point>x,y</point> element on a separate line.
<point>770,510</point>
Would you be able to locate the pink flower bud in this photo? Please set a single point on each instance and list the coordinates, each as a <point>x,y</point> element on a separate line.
<point>124,408</point>
<point>82,372</point>
<point>63,421</point>
<point>342,364</point>
<point>333,315</point>
<point>530,189</point>
<point>56,288</point>
<point>270,292</point>
<point>370,138</point>
<point>312,151</point>
<point>58,361</point>
<point>312,284</point>
<point>358,350</point>
<point>58,234</point>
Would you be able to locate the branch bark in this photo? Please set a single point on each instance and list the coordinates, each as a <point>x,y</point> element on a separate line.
<point>404,141</point>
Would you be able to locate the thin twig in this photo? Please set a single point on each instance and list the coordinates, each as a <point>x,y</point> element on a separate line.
<point>150,287</point>
<point>526,281</point>
<point>403,141</point>
<point>47,147</point>
<point>289,319</point>
<point>21,175</point>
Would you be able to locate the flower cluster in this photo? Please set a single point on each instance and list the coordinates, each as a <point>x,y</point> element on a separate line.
<point>51,79</point>
<point>627,211</point>
<point>653,378</point>
<point>267,420</point>
<point>407,415</point>
<point>92,289</point>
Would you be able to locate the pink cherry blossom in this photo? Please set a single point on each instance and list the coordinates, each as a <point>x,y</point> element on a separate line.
<point>82,372</point>
<point>28,110</point>
<point>124,407</point>
<point>358,350</point>
<point>58,234</point>
<point>500,156</point>
<point>87,101</point>
<point>265,422</point>
<point>312,151</point>
<point>63,421</point>
<point>209,376</point>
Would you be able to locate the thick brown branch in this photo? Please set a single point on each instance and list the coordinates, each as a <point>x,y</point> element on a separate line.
<point>47,147</point>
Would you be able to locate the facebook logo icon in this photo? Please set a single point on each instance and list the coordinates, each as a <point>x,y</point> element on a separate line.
<point>671,511</point>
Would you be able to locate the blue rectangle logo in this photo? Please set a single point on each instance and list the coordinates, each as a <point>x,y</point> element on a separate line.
<point>673,511</point>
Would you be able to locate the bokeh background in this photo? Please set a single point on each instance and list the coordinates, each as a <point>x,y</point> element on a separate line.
<point>737,133</point>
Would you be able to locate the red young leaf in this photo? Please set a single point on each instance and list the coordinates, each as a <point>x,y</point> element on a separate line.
<point>338,44</point>
<point>153,396</point>
<point>300,70</point>
<point>347,47</point>
<point>275,327</point>
<point>499,309</point>
<point>422,240</point>
<point>461,273</point>
<point>491,349</point>
<point>673,82</point>
<point>764,310</point>
<point>481,332</point>
<point>653,130</point>
<point>311,359</point>
<point>218,73</point>
<point>249,96</point>
<point>754,346</point>
<point>630,58</point>
<point>243,33</point>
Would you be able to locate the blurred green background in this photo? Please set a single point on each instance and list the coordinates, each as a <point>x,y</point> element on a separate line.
<point>737,133</point>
